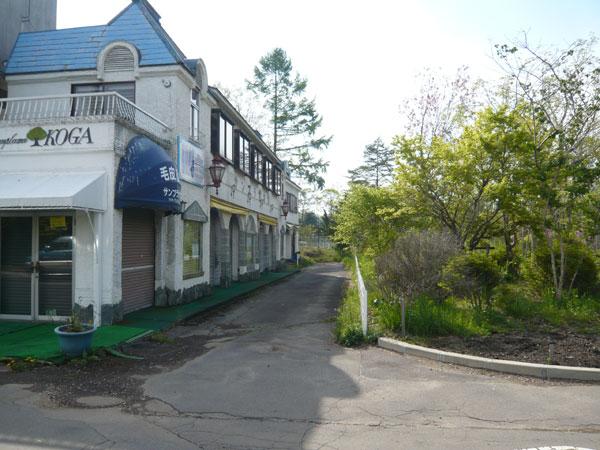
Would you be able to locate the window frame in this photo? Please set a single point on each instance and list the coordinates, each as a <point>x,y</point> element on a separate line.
<point>195,114</point>
<point>74,87</point>
<point>268,174</point>
<point>200,257</point>
<point>224,122</point>
<point>259,160</point>
<point>277,181</point>
<point>292,202</point>
<point>245,157</point>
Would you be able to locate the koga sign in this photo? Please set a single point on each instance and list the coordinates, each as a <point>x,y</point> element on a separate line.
<point>51,137</point>
<point>59,136</point>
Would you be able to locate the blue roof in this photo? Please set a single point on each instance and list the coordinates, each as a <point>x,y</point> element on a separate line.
<point>77,48</point>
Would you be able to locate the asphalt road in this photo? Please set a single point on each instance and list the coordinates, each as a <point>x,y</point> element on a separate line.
<point>278,381</point>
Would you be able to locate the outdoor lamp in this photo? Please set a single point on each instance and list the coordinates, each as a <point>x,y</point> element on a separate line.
<point>217,170</point>
<point>285,208</point>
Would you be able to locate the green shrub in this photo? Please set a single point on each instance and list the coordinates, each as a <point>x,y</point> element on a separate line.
<point>510,268</point>
<point>581,269</point>
<point>472,276</point>
<point>351,337</point>
<point>389,315</point>
<point>514,301</point>
<point>321,255</point>
<point>306,261</point>
<point>348,330</point>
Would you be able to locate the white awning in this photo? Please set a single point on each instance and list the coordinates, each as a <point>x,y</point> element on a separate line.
<point>53,190</point>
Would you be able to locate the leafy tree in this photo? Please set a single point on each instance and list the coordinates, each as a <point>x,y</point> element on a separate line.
<point>368,219</point>
<point>294,118</point>
<point>378,165</point>
<point>443,105</point>
<point>466,185</point>
<point>562,92</point>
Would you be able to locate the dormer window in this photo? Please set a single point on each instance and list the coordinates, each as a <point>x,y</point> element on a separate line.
<point>119,59</point>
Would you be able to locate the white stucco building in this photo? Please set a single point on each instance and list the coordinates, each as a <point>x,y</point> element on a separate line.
<point>106,141</point>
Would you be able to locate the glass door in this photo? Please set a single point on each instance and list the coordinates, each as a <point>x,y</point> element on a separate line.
<point>36,267</point>
<point>54,266</point>
<point>16,266</point>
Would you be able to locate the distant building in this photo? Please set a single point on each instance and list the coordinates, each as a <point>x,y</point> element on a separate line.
<point>22,15</point>
<point>109,140</point>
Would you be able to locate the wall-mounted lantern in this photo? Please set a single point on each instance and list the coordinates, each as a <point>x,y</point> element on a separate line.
<point>285,208</point>
<point>217,170</point>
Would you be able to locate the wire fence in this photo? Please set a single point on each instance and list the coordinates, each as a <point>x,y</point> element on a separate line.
<point>315,241</point>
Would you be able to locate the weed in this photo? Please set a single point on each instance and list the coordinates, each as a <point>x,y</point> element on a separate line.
<point>320,255</point>
<point>161,338</point>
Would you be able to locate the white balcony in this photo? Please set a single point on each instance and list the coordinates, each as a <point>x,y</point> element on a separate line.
<point>82,107</point>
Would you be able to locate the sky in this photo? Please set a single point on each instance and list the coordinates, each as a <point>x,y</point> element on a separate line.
<point>361,58</point>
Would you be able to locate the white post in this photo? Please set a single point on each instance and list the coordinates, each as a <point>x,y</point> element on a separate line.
<point>362,291</point>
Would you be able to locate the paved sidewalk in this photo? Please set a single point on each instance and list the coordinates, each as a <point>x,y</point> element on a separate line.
<point>37,340</point>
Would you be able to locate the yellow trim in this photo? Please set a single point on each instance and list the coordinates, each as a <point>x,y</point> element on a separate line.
<point>267,219</point>
<point>228,207</point>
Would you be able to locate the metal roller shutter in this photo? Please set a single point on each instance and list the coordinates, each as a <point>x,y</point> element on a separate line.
<point>138,259</point>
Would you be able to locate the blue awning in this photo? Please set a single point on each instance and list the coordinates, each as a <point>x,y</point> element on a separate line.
<point>147,178</point>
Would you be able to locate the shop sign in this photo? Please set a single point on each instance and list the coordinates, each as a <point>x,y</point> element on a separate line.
<point>59,136</point>
<point>51,137</point>
<point>14,139</point>
<point>190,162</point>
<point>58,222</point>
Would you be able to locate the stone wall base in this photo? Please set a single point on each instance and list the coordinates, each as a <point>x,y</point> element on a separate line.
<point>170,297</point>
<point>250,276</point>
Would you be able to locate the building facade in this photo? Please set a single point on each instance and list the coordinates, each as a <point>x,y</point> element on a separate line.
<point>108,139</point>
<point>18,16</point>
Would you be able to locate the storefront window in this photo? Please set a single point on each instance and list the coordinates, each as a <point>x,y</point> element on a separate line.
<point>192,249</point>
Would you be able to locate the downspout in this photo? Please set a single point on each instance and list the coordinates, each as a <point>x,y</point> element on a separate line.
<point>97,266</point>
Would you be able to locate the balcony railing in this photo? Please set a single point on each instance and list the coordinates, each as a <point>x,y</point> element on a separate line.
<point>104,105</point>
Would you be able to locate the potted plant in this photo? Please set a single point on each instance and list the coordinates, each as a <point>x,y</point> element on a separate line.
<point>75,337</point>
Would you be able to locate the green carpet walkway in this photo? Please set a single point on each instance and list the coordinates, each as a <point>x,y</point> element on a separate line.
<point>23,339</point>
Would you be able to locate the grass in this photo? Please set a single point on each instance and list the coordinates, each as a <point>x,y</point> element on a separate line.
<point>515,308</point>
<point>161,338</point>
<point>581,312</point>
<point>348,328</point>
<point>320,255</point>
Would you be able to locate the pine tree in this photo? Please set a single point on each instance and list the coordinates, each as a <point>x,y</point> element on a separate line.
<point>378,165</point>
<point>294,117</point>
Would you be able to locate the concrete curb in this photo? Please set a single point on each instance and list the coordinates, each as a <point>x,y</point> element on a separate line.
<point>514,367</point>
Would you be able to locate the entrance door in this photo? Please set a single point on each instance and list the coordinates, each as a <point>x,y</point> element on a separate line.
<point>137,273</point>
<point>36,266</point>
<point>54,268</point>
<point>16,268</point>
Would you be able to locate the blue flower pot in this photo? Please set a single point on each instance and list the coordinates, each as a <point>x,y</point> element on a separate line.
<point>74,344</point>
